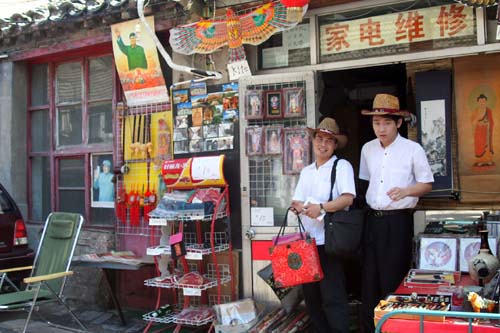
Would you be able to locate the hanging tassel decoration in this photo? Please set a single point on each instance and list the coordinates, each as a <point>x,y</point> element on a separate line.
<point>134,208</point>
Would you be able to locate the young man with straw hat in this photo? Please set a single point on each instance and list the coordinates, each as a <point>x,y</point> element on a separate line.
<point>398,174</point>
<point>326,301</point>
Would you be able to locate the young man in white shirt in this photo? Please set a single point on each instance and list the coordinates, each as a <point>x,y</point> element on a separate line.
<point>398,174</point>
<point>326,300</point>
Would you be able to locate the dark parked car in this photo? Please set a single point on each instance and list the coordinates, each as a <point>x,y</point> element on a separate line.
<point>14,250</point>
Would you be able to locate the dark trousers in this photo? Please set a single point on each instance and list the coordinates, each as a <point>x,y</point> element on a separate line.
<point>326,301</point>
<point>387,255</point>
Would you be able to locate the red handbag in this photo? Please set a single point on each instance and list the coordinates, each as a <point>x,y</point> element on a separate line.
<point>296,262</point>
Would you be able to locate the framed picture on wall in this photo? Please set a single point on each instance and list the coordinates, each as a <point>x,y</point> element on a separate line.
<point>438,253</point>
<point>273,100</point>
<point>293,102</point>
<point>253,104</point>
<point>253,137</point>
<point>469,248</point>
<point>296,150</point>
<point>103,188</point>
<point>272,140</point>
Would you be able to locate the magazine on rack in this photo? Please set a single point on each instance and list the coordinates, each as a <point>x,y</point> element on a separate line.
<point>123,257</point>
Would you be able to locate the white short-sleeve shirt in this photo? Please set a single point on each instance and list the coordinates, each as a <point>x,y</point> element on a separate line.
<point>403,163</point>
<point>314,187</point>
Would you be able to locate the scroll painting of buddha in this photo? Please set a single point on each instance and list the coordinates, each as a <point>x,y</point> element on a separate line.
<point>477,97</point>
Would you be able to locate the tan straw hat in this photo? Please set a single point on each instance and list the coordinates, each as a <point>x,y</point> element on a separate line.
<point>385,104</point>
<point>329,126</point>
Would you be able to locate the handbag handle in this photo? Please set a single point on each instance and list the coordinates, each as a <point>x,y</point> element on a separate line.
<point>333,176</point>
<point>281,232</point>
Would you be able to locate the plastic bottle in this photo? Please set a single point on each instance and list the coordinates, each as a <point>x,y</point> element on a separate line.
<point>162,311</point>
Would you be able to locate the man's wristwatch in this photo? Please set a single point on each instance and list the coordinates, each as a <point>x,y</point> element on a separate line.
<point>321,209</point>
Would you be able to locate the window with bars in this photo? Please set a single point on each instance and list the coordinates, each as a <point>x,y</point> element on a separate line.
<point>70,122</point>
<point>270,185</point>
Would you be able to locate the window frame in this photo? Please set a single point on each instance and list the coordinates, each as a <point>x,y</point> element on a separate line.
<point>84,150</point>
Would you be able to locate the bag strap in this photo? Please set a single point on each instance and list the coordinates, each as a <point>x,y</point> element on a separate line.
<point>333,177</point>
<point>281,232</point>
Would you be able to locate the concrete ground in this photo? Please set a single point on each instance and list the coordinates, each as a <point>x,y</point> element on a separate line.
<point>96,321</point>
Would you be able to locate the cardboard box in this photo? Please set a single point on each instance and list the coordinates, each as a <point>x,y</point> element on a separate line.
<point>240,309</point>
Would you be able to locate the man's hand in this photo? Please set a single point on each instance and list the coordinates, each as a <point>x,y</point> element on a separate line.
<point>397,193</point>
<point>311,210</point>
<point>117,33</point>
<point>297,207</point>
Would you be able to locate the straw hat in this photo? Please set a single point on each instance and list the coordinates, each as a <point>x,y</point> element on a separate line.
<point>385,104</point>
<point>329,126</point>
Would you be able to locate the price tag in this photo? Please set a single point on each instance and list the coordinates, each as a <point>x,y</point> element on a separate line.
<point>262,216</point>
<point>157,221</point>
<point>238,69</point>
<point>191,292</point>
<point>194,256</point>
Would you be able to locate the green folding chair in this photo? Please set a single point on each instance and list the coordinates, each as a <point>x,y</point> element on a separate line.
<point>49,271</point>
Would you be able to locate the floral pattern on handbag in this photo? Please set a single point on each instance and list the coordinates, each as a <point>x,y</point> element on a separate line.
<point>295,262</point>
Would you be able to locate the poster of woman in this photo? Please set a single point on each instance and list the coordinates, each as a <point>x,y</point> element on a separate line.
<point>103,187</point>
<point>477,91</point>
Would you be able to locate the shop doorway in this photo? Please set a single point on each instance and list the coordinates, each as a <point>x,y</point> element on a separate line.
<point>345,94</point>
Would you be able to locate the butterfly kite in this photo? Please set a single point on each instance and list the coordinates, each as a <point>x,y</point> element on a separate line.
<point>206,36</point>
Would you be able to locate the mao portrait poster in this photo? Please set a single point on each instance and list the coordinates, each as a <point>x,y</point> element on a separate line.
<point>137,63</point>
<point>477,91</point>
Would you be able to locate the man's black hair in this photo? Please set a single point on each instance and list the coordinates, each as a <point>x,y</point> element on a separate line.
<point>390,116</point>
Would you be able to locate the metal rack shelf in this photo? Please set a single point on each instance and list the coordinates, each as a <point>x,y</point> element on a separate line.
<point>193,251</point>
<point>196,246</point>
<point>211,281</point>
<point>163,221</point>
<point>173,317</point>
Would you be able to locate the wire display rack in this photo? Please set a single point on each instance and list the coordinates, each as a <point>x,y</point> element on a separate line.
<point>201,238</point>
<point>137,159</point>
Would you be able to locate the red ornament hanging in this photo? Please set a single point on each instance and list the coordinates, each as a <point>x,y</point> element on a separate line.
<point>295,9</point>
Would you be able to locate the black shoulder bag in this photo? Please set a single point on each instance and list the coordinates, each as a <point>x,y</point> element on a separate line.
<point>343,229</point>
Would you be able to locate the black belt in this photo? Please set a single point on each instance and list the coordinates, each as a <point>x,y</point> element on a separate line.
<point>382,213</point>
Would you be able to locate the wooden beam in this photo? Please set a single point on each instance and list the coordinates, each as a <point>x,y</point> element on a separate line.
<point>100,43</point>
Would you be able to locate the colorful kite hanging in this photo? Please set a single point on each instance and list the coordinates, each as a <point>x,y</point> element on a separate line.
<point>254,28</point>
